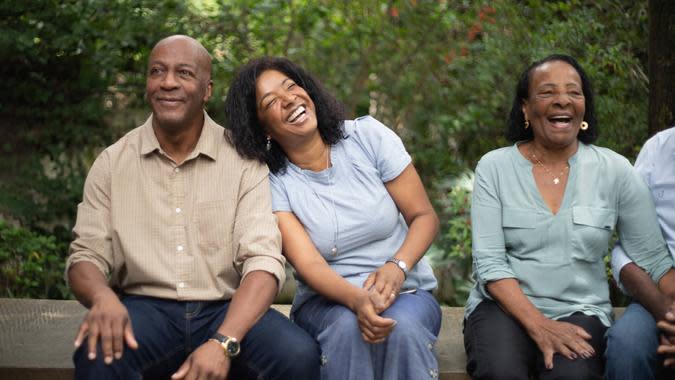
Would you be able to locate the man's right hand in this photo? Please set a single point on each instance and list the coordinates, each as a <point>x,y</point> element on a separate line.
<point>564,338</point>
<point>107,320</point>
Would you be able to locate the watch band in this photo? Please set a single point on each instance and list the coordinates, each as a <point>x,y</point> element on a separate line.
<point>400,264</point>
<point>230,345</point>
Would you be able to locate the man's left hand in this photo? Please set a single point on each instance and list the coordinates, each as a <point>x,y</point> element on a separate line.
<point>208,361</point>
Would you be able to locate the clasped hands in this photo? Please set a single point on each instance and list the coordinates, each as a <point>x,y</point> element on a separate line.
<point>378,293</point>
<point>667,337</point>
<point>108,321</point>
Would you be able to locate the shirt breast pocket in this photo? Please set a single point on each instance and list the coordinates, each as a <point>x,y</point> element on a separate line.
<point>519,231</point>
<point>591,230</point>
<point>213,220</point>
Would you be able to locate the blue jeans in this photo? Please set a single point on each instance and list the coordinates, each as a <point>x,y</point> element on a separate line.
<point>167,332</point>
<point>407,353</point>
<point>631,347</point>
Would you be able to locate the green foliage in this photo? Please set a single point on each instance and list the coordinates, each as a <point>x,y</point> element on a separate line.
<point>65,67</point>
<point>31,265</point>
<point>451,255</point>
<point>440,73</point>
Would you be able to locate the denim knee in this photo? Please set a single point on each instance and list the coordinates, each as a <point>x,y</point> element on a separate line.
<point>301,360</point>
<point>631,346</point>
<point>97,369</point>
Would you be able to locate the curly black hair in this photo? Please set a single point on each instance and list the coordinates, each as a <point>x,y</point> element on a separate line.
<point>515,130</point>
<point>245,131</point>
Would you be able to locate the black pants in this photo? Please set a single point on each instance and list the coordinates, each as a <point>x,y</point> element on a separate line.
<point>498,347</point>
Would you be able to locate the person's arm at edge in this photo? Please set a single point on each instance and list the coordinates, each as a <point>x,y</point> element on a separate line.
<point>655,298</point>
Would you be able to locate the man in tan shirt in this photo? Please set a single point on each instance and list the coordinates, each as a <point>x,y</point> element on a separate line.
<point>181,227</point>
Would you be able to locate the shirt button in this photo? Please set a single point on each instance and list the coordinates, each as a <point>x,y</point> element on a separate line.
<point>179,248</point>
<point>181,285</point>
<point>176,170</point>
<point>178,210</point>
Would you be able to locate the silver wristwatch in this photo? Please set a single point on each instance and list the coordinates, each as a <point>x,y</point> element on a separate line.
<point>400,264</point>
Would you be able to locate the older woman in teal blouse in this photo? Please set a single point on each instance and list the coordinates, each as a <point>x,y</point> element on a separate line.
<point>543,212</point>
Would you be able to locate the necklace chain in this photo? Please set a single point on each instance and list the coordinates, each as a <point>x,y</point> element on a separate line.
<point>556,179</point>
<point>327,176</point>
<point>334,250</point>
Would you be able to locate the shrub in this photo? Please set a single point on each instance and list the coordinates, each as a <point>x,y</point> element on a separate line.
<point>31,264</point>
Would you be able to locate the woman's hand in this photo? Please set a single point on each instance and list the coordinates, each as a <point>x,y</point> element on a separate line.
<point>374,328</point>
<point>384,286</point>
<point>560,337</point>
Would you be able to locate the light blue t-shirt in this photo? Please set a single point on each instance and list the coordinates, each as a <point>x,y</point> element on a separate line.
<point>347,205</point>
<point>656,164</point>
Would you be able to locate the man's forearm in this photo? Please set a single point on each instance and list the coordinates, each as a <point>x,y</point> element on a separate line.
<point>87,283</point>
<point>251,300</point>
<point>641,287</point>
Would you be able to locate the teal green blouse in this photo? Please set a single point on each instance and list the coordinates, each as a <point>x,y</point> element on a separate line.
<point>558,259</point>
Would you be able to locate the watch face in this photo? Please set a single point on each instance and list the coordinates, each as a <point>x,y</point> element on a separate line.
<point>232,348</point>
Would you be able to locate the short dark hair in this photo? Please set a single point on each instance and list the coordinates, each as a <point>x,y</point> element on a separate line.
<point>245,131</point>
<point>515,127</point>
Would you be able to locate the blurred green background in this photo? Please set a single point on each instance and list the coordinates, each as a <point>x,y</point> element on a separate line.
<point>440,73</point>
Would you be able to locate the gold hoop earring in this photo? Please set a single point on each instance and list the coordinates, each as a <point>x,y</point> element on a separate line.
<point>584,126</point>
<point>268,146</point>
<point>527,124</point>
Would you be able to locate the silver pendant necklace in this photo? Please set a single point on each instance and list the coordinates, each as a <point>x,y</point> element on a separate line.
<point>334,250</point>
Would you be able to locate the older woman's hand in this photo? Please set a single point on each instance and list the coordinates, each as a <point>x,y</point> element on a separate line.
<point>374,328</point>
<point>384,286</point>
<point>565,338</point>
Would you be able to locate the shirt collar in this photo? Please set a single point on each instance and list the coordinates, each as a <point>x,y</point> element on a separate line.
<point>206,145</point>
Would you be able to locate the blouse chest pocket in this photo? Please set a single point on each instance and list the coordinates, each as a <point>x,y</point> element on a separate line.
<point>591,230</point>
<point>519,231</point>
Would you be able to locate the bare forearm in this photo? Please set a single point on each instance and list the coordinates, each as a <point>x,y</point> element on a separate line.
<point>328,283</point>
<point>249,303</point>
<point>511,298</point>
<point>88,283</point>
<point>641,287</point>
<point>421,234</point>
<point>667,285</point>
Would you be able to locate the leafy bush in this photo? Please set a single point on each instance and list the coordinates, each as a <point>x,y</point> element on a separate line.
<point>451,255</point>
<point>31,264</point>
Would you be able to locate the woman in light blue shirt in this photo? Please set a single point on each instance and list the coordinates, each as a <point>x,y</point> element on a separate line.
<point>543,212</point>
<point>355,223</point>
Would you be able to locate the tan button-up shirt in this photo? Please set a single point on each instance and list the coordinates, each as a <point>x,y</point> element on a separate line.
<point>184,232</point>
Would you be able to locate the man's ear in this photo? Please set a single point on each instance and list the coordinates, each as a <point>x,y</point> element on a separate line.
<point>209,91</point>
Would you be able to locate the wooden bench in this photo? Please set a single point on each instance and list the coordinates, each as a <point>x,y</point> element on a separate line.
<point>36,339</point>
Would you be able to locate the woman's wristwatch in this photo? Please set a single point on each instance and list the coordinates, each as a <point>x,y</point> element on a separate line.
<point>400,264</point>
<point>229,344</point>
